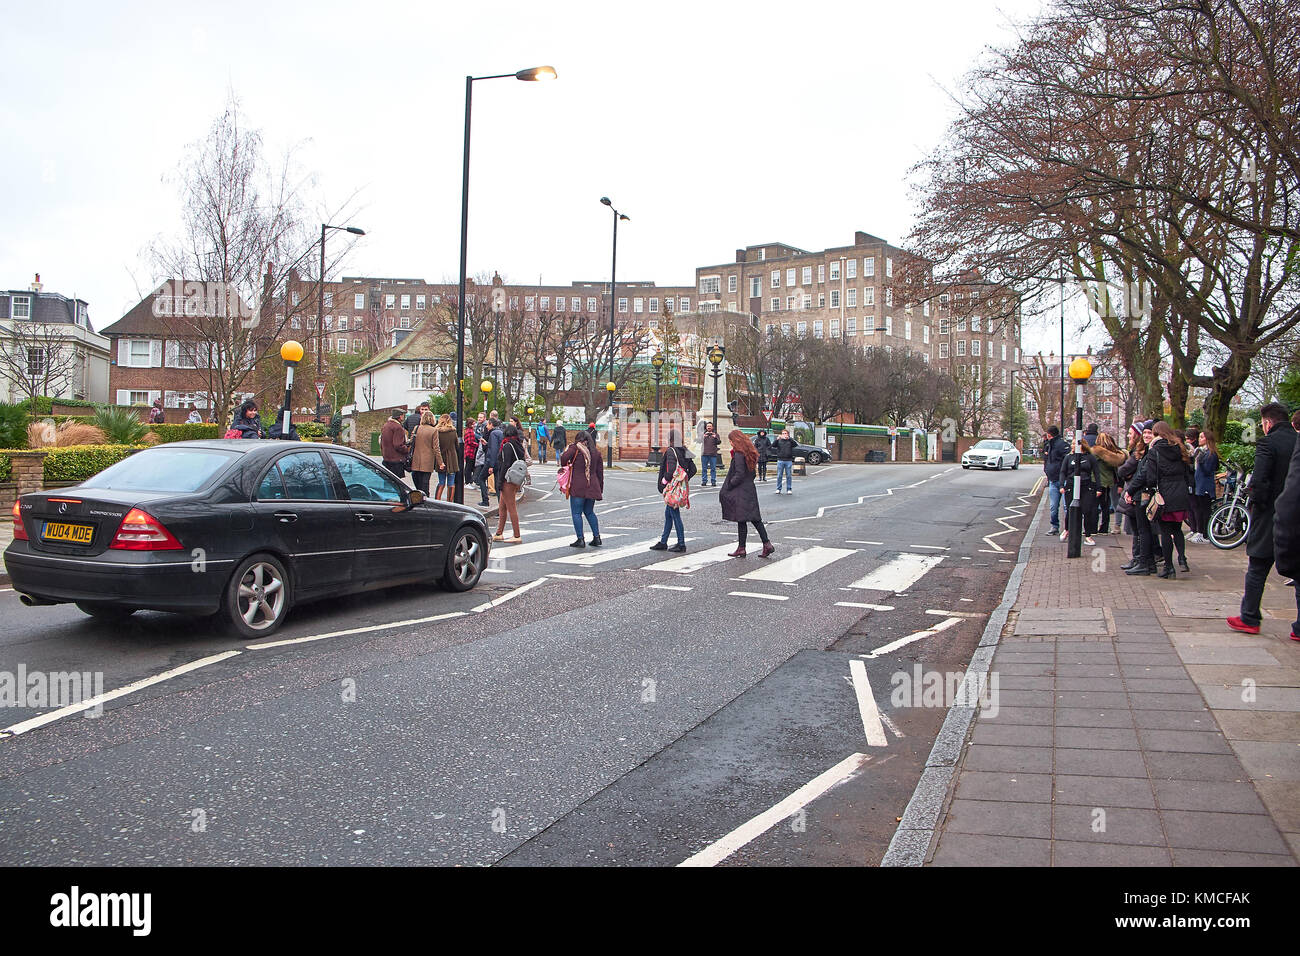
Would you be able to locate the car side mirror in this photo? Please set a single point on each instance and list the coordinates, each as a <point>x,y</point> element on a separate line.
<point>413,498</point>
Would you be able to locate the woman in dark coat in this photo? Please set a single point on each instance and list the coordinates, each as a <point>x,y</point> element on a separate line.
<point>247,420</point>
<point>739,497</point>
<point>586,484</point>
<point>675,454</point>
<point>1166,468</point>
<point>763,444</point>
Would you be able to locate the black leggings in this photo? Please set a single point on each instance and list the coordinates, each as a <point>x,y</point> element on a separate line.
<point>1201,506</point>
<point>741,530</point>
<point>1171,529</point>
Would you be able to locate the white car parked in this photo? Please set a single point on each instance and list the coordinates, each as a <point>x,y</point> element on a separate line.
<point>992,453</point>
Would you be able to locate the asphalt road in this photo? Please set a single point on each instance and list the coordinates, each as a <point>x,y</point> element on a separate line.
<point>611,706</point>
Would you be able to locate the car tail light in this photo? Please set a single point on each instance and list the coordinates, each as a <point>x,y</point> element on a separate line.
<point>143,532</point>
<point>20,533</point>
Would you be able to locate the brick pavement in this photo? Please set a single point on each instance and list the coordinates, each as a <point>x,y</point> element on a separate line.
<point>1123,732</point>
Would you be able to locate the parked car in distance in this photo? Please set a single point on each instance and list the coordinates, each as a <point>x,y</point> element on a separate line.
<point>995,453</point>
<point>241,528</point>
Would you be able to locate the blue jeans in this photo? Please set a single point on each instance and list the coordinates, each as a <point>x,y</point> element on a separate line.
<point>584,506</point>
<point>673,519</point>
<point>784,468</point>
<point>1054,502</point>
<point>710,465</point>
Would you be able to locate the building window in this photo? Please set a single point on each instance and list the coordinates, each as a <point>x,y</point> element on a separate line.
<point>295,298</point>
<point>731,283</point>
<point>776,278</point>
<point>961,346</point>
<point>851,269</point>
<point>21,307</point>
<point>851,325</point>
<point>653,308</point>
<point>925,335</point>
<point>835,271</point>
<point>961,324</point>
<point>835,328</point>
<point>869,266</point>
<point>851,296</point>
<point>546,303</point>
<point>668,303</point>
<point>139,353</point>
<point>35,362</point>
<point>817,329</point>
<point>807,302</point>
<point>807,275</point>
<point>907,329</point>
<point>943,326</point>
<point>343,346</point>
<point>638,304</point>
<point>403,323</point>
<point>925,308</point>
<point>801,329</point>
<point>835,298</point>
<point>561,302</point>
<point>889,297</point>
<point>789,302</point>
<point>974,323</point>
<point>821,272</point>
<point>710,285</point>
<point>943,350</point>
<point>869,296</point>
<point>889,267</point>
<point>622,304</point>
<point>406,301</point>
<point>868,324</point>
<point>776,304</point>
<point>591,304</point>
<point>390,301</point>
<point>755,287</point>
<point>684,305</point>
<point>785,329</point>
<point>974,347</point>
<point>889,325</point>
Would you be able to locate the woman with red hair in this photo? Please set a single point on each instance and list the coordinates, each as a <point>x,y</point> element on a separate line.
<point>739,497</point>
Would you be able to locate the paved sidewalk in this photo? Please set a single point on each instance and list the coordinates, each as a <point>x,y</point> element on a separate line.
<point>1131,726</point>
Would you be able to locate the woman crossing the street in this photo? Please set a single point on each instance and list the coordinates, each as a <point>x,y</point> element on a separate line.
<point>674,456</point>
<point>739,497</point>
<point>512,452</point>
<point>586,484</point>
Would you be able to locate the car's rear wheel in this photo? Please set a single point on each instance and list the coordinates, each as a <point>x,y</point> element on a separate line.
<point>466,559</point>
<point>258,597</point>
<point>1015,463</point>
<point>105,612</point>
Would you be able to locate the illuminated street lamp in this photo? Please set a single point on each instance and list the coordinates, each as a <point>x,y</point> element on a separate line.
<point>291,352</point>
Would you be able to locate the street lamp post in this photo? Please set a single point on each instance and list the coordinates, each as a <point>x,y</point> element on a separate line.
<point>716,355</point>
<point>320,298</point>
<point>536,73</point>
<point>658,362</point>
<point>1080,372</point>
<point>613,298</point>
<point>291,352</point>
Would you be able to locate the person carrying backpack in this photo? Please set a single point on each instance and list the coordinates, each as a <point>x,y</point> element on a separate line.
<point>674,489</point>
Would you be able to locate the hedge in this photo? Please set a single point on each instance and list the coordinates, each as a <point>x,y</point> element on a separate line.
<point>171,433</point>
<point>1235,453</point>
<point>79,462</point>
<point>6,468</point>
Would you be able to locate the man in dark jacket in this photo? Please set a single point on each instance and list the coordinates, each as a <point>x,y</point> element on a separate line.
<point>559,438</point>
<point>710,445</point>
<point>1273,456</point>
<point>412,421</point>
<point>1054,451</point>
<point>784,448</point>
<point>493,435</point>
<point>763,444</point>
<point>392,443</point>
<point>1286,527</point>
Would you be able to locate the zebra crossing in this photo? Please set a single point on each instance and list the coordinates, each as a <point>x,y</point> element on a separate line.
<point>893,574</point>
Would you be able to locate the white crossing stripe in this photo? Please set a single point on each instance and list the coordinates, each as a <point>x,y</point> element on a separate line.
<point>601,555</point>
<point>690,563</point>
<point>502,551</point>
<point>869,607</point>
<point>799,565</point>
<point>899,574</point>
<point>671,587</point>
<point>918,635</point>
<point>867,705</point>
<point>756,594</point>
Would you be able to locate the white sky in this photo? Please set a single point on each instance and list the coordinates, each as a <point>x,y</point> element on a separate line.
<point>712,125</point>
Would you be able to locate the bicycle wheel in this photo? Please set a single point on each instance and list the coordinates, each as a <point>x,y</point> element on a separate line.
<point>1229,526</point>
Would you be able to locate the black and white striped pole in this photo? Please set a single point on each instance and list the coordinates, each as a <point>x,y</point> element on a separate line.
<point>291,352</point>
<point>1080,372</point>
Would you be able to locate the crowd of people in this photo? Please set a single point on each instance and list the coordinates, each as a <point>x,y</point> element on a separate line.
<point>1167,479</point>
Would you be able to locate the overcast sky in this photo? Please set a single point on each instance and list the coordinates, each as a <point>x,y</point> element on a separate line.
<point>712,125</point>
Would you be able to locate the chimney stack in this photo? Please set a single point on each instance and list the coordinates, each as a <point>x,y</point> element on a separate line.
<point>36,285</point>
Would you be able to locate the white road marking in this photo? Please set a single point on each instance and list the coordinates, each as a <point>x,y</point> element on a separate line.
<point>601,555</point>
<point>572,577</point>
<point>871,724</point>
<point>671,587</point>
<point>99,699</point>
<point>690,563</point>
<point>899,574</point>
<point>929,547</point>
<point>799,565</point>
<point>968,600</point>
<point>513,594</point>
<point>755,594</point>
<point>869,607</point>
<point>791,537</point>
<point>851,541</point>
<point>715,853</point>
<point>355,630</point>
<point>502,551</point>
<point>954,613</point>
<point>928,632</point>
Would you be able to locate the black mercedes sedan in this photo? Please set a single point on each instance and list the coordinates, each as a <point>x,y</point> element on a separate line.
<point>241,528</point>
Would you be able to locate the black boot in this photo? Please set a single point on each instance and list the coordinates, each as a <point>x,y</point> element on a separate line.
<point>1142,569</point>
<point>1182,565</point>
<point>1131,564</point>
<point>1168,572</point>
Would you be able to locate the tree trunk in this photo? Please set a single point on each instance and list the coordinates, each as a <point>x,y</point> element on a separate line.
<point>1228,380</point>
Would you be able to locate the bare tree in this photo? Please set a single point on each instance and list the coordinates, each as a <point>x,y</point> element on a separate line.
<point>41,359</point>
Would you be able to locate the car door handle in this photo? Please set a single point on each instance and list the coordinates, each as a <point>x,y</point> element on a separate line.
<point>365,516</point>
<point>286,517</point>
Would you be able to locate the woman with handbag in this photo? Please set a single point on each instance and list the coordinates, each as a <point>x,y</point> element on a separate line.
<point>739,497</point>
<point>513,465</point>
<point>1161,503</point>
<point>585,482</point>
<point>676,469</point>
<point>424,452</point>
<point>448,457</point>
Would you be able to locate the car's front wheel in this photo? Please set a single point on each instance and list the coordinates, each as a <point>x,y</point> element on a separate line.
<point>258,597</point>
<point>815,458</point>
<point>1015,463</point>
<point>466,559</point>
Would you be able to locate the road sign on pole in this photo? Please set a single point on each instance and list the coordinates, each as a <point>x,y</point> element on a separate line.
<point>320,390</point>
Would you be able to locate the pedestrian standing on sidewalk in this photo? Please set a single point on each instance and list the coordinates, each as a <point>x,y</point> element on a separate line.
<point>493,436</point>
<point>784,448</point>
<point>586,484</point>
<point>1273,455</point>
<point>1171,463</point>
<point>392,443</point>
<point>512,451</point>
<point>1109,458</point>
<point>763,444</point>
<point>1138,492</point>
<point>471,454</point>
<point>1054,451</point>
<point>739,497</point>
<point>674,455</point>
<point>424,452</point>
<point>709,446</point>
<point>1286,529</point>
<point>1123,475</point>
<point>448,459</point>
<point>1206,465</point>
<point>1081,463</point>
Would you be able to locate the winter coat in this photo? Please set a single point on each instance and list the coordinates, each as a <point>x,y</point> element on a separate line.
<point>784,449</point>
<point>1107,462</point>
<point>672,457</point>
<point>278,428</point>
<point>1286,520</point>
<point>709,444</point>
<point>738,496</point>
<point>1272,462</point>
<point>471,444</point>
<point>392,441</point>
<point>1163,468</point>
<point>559,437</point>
<point>1207,468</point>
<point>448,454</point>
<point>424,454</point>
<point>512,450</point>
<point>764,446</point>
<point>251,427</point>
<point>494,440</point>
<point>410,423</point>
<point>1083,464</point>
<point>1054,453</point>
<point>588,473</point>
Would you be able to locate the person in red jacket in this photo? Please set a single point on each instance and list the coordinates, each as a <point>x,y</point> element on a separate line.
<point>471,451</point>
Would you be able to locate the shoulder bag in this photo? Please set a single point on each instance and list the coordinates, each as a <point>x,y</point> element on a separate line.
<point>677,493</point>
<point>517,473</point>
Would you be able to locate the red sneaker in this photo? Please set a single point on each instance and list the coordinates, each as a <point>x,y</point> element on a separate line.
<point>1295,636</point>
<point>1237,624</point>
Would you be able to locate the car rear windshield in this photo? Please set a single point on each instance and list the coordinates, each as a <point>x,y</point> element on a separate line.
<point>163,469</point>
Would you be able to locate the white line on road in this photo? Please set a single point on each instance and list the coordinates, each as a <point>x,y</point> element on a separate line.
<point>501,552</point>
<point>670,587</point>
<point>899,574</point>
<point>601,555</point>
<point>953,613</point>
<point>755,594</point>
<point>100,699</point>
<point>928,632</point>
<point>851,541</point>
<point>572,577</point>
<point>929,547</point>
<point>798,566</point>
<point>690,563</point>
<point>354,630</point>
<point>867,705</point>
<point>791,537</point>
<point>715,853</point>
<point>869,607</point>
<point>513,594</point>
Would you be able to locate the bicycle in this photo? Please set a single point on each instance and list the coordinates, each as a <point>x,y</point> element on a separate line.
<point>1230,517</point>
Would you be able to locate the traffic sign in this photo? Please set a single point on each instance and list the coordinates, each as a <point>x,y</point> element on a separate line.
<point>320,389</point>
